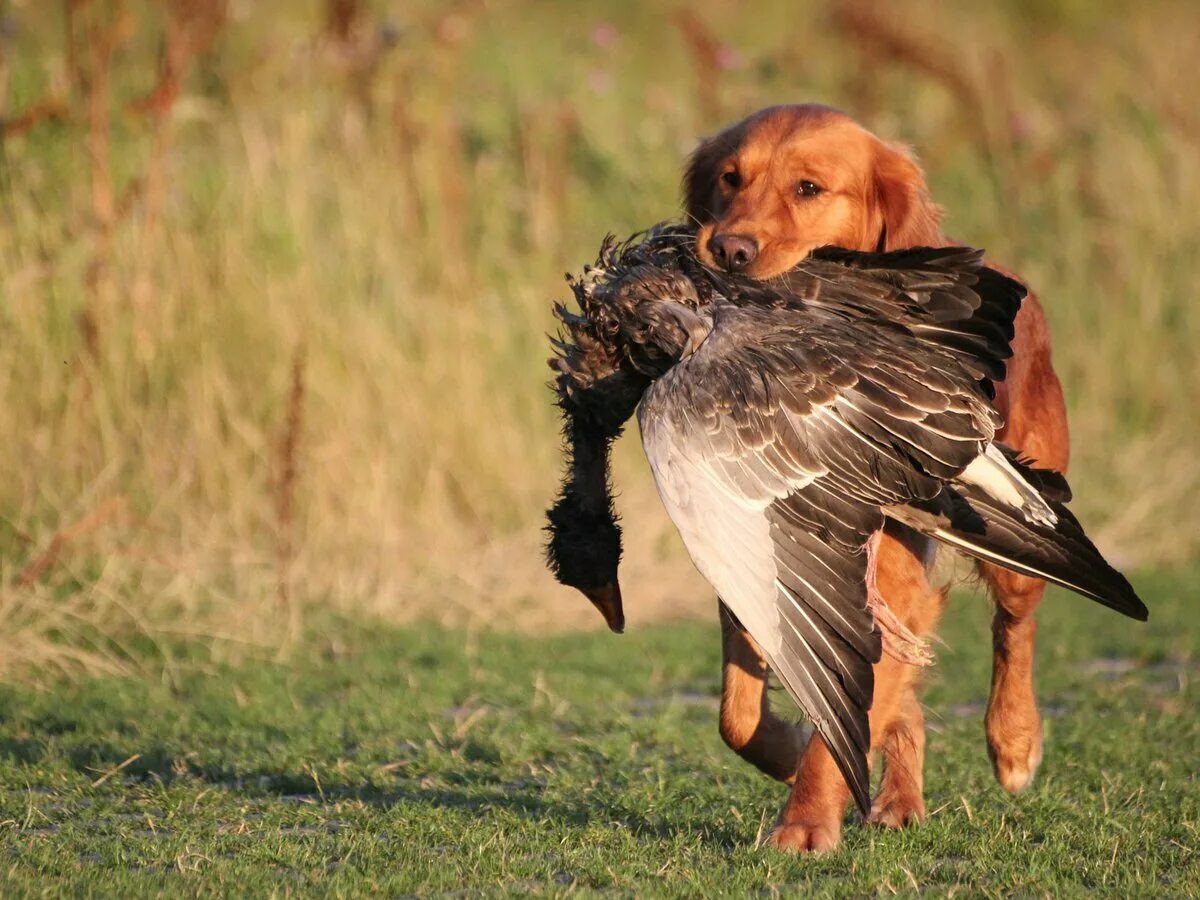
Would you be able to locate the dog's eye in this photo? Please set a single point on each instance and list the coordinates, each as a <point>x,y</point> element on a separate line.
<point>808,189</point>
<point>732,178</point>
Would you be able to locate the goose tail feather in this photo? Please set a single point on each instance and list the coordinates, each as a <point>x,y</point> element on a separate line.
<point>970,518</point>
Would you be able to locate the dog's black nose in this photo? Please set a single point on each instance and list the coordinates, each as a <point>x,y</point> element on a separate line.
<point>733,252</point>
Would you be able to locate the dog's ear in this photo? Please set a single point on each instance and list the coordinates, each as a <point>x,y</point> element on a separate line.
<point>700,196</point>
<point>908,214</point>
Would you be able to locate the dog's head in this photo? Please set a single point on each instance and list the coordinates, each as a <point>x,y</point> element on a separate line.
<point>772,188</point>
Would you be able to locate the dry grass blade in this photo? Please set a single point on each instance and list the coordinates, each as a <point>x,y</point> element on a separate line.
<point>221,174</point>
<point>880,38</point>
<point>705,52</point>
<point>116,770</point>
<point>40,564</point>
<point>342,17</point>
<point>51,109</point>
<point>287,473</point>
<point>191,30</point>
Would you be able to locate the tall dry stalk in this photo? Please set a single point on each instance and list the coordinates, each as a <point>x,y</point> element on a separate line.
<point>705,51</point>
<point>192,27</point>
<point>101,28</point>
<point>287,474</point>
<point>36,568</point>
<point>48,109</point>
<point>982,96</point>
<point>342,18</point>
<point>100,49</point>
<point>544,144</point>
<point>406,139</point>
<point>454,192</point>
<point>76,67</point>
<point>356,45</point>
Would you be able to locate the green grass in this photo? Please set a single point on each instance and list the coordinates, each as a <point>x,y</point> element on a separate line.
<point>434,760</point>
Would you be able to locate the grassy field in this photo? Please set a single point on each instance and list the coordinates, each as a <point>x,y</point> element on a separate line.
<point>275,283</point>
<point>275,442</point>
<point>425,760</point>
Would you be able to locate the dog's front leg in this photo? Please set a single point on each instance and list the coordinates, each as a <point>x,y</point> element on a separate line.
<point>748,726</point>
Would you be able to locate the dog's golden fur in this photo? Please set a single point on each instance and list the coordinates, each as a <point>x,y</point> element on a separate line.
<point>765,192</point>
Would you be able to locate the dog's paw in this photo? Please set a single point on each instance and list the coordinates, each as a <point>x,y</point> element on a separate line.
<point>805,837</point>
<point>1015,758</point>
<point>895,810</point>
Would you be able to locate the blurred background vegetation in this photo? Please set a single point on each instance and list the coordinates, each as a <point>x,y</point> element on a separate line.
<point>275,280</point>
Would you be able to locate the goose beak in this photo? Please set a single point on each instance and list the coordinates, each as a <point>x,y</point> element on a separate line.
<point>607,599</point>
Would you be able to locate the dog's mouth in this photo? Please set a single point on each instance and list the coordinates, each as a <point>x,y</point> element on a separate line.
<point>770,262</point>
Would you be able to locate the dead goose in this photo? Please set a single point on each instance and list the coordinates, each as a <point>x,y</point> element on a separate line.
<point>783,422</point>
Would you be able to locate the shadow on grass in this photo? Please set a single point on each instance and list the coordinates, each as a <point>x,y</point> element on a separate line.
<point>478,793</point>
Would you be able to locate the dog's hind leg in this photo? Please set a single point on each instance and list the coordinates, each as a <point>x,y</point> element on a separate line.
<point>1036,424</point>
<point>905,587</point>
<point>1014,728</point>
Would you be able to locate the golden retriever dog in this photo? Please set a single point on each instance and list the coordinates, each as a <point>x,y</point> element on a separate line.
<point>766,192</point>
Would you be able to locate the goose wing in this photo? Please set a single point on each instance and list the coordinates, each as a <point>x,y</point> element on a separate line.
<point>943,296</point>
<point>774,448</point>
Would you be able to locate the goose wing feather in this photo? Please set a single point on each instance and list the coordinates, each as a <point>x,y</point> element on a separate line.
<point>774,448</point>
<point>944,296</point>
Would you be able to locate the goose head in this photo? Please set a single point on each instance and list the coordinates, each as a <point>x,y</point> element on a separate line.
<point>584,551</point>
<point>584,546</point>
<point>643,309</point>
<point>662,317</point>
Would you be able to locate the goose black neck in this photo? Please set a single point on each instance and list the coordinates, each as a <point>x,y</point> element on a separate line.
<point>584,549</point>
